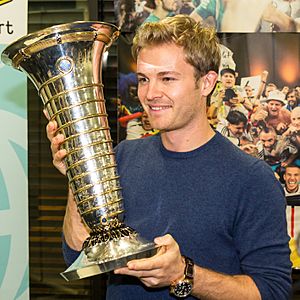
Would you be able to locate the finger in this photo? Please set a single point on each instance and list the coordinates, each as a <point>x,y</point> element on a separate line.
<point>166,244</point>
<point>148,278</point>
<point>51,129</point>
<point>135,273</point>
<point>59,156</point>
<point>56,142</point>
<point>58,161</point>
<point>144,264</point>
<point>46,114</point>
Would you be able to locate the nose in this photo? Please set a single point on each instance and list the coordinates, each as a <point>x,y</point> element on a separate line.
<point>153,91</point>
<point>274,106</point>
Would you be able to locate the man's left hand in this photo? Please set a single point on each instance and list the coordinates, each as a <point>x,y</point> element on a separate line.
<point>161,269</point>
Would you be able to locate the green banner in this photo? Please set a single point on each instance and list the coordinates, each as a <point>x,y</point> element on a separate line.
<point>13,186</point>
<point>14,273</point>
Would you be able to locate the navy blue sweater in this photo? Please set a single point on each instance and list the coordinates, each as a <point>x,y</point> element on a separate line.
<point>225,209</point>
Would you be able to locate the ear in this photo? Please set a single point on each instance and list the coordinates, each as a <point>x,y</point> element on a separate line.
<point>208,82</point>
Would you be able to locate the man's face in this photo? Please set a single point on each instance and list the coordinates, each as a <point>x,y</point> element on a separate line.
<point>269,88</point>
<point>291,98</point>
<point>285,89</point>
<point>268,140</point>
<point>236,130</point>
<point>228,80</point>
<point>249,91</point>
<point>295,118</point>
<point>292,177</point>
<point>169,5</point>
<point>167,88</point>
<point>145,122</point>
<point>274,108</point>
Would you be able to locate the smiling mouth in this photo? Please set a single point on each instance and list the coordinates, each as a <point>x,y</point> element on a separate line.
<point>293,182</point>
<point>159,108</point>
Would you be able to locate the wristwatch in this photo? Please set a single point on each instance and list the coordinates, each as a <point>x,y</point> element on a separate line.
<point>182,288</point>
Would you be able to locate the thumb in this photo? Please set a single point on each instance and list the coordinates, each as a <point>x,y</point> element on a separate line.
<point>164,240</point>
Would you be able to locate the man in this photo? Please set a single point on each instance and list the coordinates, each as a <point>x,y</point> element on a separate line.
<point>282,15</point>
<point>237,15</point>
<point>278,150</point>
<point>188,188</point>
<point>293,132</point>
<point>292,180</point>
<point>227,97</point>
<point>162,9</point>
<point>274,114</point>
<point>234,128</point>
<point>228,77</point>
<point>292,190</point>
<point>292,101</point>
<point>269,88</point>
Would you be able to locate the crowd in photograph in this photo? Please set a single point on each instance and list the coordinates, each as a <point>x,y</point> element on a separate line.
<point>264,122</point>
<point>224,15</point>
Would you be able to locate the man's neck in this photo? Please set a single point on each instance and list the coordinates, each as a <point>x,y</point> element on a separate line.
<point>187,140</point>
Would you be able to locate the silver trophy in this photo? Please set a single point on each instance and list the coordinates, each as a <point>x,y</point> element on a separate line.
<point>64,63</point>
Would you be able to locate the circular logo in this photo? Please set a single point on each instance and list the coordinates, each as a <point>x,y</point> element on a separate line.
<point>65,64</point>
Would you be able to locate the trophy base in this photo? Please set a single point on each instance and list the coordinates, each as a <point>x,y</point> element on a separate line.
<point>83,268</point>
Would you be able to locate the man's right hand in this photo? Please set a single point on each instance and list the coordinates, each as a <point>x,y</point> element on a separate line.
<point>75,231</point>
<point>259,115</point>
<point>57,153</point>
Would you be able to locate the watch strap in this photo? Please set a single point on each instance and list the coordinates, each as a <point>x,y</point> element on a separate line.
<point>189,268</point>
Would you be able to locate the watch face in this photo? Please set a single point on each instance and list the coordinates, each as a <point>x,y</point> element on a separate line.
<point>182,289</point>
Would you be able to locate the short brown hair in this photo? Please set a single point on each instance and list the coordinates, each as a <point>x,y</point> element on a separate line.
<point>200,44</point>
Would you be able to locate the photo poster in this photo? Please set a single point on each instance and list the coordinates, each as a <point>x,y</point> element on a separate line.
<point>264,61</point>
<point>14,258</point>
<point>224,15</point>
<point>256,105</point>
<point>133,122</point>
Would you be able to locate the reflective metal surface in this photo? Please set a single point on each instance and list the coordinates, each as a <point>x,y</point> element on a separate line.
<point>64,62</point>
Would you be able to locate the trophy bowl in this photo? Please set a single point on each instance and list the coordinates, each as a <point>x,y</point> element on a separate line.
<point>64,62</point>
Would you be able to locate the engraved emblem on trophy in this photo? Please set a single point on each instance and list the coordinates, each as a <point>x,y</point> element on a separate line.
<point>64,62</point>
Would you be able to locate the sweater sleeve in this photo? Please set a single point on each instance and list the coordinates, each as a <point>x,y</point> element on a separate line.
<point>69,254</point>
<point>260,234</point>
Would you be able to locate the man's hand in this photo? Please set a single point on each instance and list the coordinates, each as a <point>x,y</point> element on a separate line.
<point>75,231</point>
<point>281,127</point>
<point>259,115</point>
<point>56,140</point>
<point>161,269</point>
